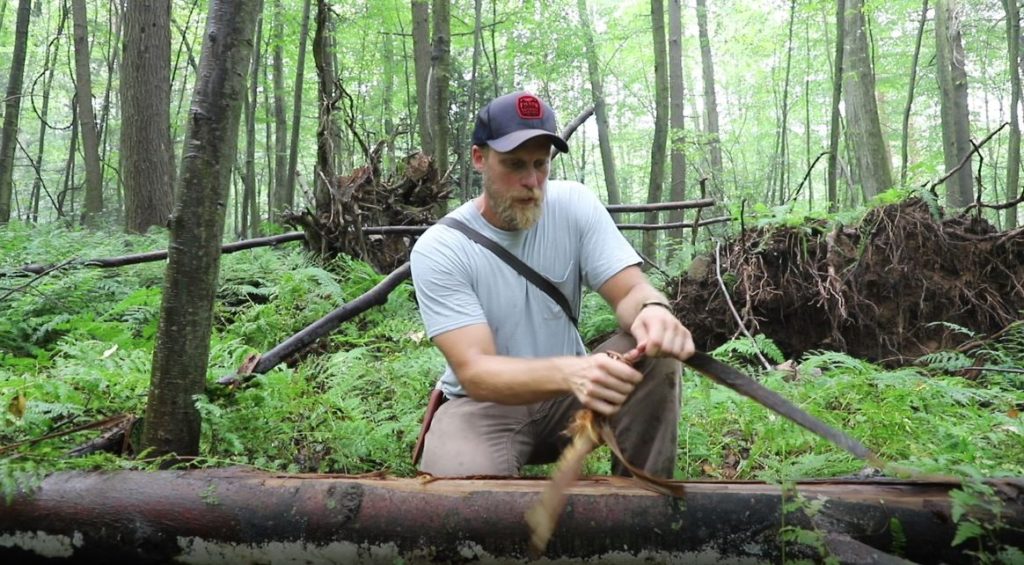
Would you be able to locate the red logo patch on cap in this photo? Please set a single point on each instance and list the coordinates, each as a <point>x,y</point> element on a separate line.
<point>529,107</point>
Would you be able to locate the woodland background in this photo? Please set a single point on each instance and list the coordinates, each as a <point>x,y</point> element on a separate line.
<point>736,101</point>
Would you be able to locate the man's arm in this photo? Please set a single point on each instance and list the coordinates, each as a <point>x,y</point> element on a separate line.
<point>598,381</point>
<point>637,305</point>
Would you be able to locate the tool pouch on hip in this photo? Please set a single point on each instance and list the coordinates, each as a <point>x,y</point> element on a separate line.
<point>437,398</point>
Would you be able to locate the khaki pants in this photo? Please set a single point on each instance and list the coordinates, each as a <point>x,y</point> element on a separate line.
<point>470,438</point>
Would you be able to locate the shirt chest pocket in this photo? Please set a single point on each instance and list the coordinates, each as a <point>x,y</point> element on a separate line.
<point>565,276</point>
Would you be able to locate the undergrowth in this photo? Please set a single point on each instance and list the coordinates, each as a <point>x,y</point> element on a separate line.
<point>76,345</point>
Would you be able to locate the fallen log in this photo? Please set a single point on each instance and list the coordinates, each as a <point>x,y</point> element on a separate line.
<point>232,516</point>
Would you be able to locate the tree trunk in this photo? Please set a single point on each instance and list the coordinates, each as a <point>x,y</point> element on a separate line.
<point>677,113</point>
<point>1013,151</point>
<point>440,63</point>
<point>710,102</point>
<point>837,92</point>
<point>49,67</point>
<point>293,148</point>
<point>328,135</point>
<point>952,77</point>
<point>114,46</point>
<point>12,109</point>
<point>86,117</point>
<point>600,109</point>
<point>280,199</point>
<point>871,153</point>
<point>421,61</point>
<point>250,199</point>
<point>783,160</point>
<point>905,137</point>
<point>467,167</point>
<point>172,423</point>
<point>660,140</point>
<point>147,153</point>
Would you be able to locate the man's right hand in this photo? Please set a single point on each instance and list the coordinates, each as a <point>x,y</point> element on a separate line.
<point>602,383</point>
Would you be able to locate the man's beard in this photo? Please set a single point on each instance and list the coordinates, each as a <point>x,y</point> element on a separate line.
<point>513,214</point>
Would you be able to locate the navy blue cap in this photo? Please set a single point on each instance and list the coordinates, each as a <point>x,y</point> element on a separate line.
<point>510,120</point>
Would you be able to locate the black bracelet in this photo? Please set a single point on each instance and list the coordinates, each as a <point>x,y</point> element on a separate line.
<point>657,303</point>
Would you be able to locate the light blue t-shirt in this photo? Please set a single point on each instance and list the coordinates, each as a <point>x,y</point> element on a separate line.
<point>459,283</point>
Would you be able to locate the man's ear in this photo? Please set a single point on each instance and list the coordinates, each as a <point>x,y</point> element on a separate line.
<point>479,156</point>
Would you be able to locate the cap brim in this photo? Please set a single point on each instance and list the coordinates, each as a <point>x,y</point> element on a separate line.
<point>515,139</point>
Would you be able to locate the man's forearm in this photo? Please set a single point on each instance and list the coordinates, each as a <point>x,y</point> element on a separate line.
<point>513,380</point>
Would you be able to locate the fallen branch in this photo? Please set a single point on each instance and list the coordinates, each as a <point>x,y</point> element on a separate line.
<point>732,308</point>
<point>104,423</point>
<point>260,364</point>
<point>965,159</point>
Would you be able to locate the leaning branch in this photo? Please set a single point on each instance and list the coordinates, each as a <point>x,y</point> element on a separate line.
<point>965,159</point>
<point>374,297</point>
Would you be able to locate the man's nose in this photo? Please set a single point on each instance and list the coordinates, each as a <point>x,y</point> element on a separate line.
<point>531,179</point>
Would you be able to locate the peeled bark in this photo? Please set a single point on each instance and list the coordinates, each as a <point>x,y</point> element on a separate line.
<point>871,153</point>
<point>237,516</point>
<point>600,109</point>
<point>172,423</point>
<point>147,154</point>
<point>12,109</point>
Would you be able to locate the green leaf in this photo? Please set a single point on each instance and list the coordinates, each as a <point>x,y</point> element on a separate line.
<point>966,531</point>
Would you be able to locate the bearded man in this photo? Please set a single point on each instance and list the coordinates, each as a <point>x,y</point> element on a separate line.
<point>517,369</point>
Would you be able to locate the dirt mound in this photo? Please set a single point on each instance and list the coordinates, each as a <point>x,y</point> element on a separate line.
<point>897,286</point>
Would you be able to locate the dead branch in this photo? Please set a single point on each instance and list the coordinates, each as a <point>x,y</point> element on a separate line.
<point>295,344</point>
<point>965,159</point>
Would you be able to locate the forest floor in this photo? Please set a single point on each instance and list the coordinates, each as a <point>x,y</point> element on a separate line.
<point>902,283</point>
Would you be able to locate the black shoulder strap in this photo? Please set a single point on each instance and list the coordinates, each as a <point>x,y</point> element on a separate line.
<point>522,268</point>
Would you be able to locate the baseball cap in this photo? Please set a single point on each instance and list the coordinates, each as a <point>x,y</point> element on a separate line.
<point>510,120</point>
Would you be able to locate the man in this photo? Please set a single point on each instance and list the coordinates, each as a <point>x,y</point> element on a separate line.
<point>517,368</point>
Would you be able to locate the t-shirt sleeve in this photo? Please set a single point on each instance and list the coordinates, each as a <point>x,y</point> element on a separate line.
<point>604,251</point>
<point>444,288</point>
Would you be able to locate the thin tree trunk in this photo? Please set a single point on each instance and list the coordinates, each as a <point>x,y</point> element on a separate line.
<point>279,193</point>
<point>147,152</point>
<point>250,200</point>
<point>293,147</point>
<point>440,63</point>
<point>677,114</point>
<point>711,130</point>
<point>113,49</point>
<point>600,109</point>
<point>660,138</point>
<point>328,135</point>
<point>421,62</point>
<point>172,423</point>
<point>784,129</point>
<point>49,68</point>
<point>863,123</point>
<point>12,109</point>
<point>86,116</point>
<point>807,115</point>
<point>956,141</point>
<point>905,137</point>
<point>1013,32</point>
<point>467,169</point>
<point>837,92</point>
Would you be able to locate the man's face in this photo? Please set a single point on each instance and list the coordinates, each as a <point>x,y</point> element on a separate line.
<point>514,183</point>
